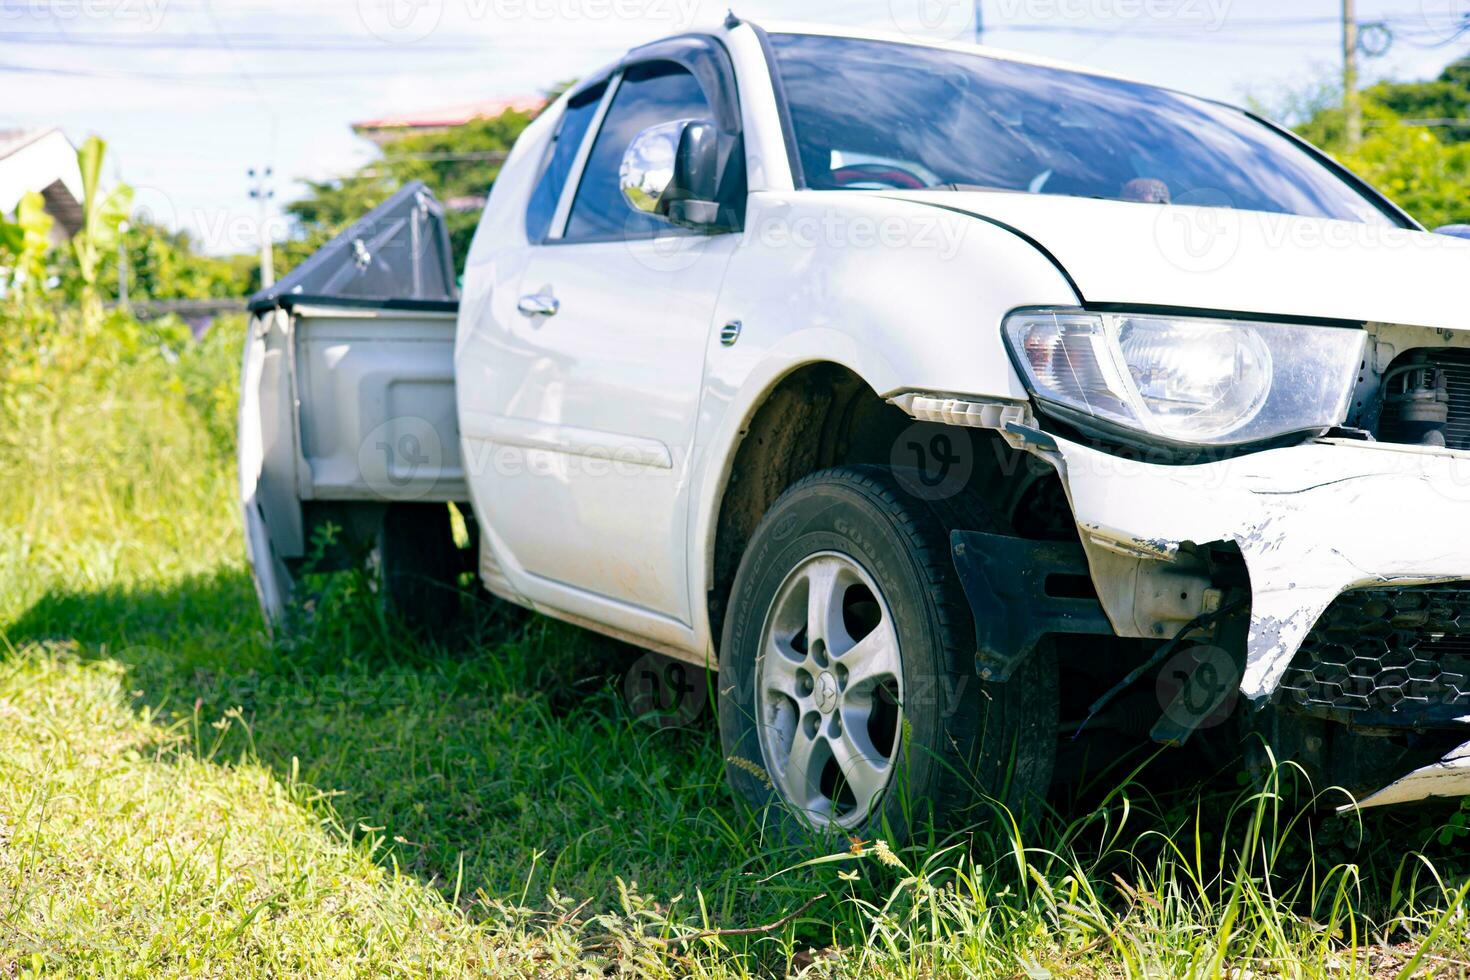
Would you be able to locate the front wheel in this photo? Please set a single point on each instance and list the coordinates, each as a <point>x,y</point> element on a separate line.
<point>848,694</point>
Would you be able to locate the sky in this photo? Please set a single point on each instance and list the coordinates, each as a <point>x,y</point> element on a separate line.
<point>190,94</point>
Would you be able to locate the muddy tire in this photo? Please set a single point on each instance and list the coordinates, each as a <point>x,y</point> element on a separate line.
<point>419,566</point>
<point>832,730</point>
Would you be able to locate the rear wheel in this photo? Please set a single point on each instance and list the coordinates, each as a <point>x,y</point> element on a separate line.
<point>419,565</point>
<point>848,694</point>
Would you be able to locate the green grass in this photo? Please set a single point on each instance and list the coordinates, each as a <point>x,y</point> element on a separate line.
<point>179,795</point>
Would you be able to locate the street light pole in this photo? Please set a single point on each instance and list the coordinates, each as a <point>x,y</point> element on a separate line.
<point>262,193</point>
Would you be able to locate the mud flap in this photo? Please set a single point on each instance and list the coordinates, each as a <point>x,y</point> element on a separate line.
<point>1006,580</point>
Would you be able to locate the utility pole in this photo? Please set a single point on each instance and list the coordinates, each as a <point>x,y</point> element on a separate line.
<point>122,265</point>
<point>1352,107</point>
<point>979,21</point>
<point>262,193</point>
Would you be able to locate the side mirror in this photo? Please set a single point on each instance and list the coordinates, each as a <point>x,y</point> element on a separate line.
<point>1457,231</point>
<point>671,171</point>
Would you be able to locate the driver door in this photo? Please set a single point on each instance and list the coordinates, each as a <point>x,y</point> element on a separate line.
<point>598,384</point>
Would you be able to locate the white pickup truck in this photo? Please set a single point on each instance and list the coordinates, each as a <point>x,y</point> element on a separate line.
<point>947,402</point>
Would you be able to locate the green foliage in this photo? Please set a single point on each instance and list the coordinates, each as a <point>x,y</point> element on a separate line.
<point>459,166</point>
<point>24,244</point>
<point>1423,169</point>
<point>164,264</point>
<point>101,217</point>
<point>1445,98</point>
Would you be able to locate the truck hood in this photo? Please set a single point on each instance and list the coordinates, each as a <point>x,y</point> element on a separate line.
<point>1216,259</point>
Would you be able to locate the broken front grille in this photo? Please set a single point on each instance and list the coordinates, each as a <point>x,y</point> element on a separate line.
<point>1409,395</point>
<point>1391,657</point>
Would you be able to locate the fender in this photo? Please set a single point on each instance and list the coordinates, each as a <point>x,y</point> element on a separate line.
<point>906,296</point>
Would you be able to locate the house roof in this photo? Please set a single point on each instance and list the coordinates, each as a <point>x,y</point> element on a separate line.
<point>14,140</point>
<point>41,160</point>
<point>456,115</point>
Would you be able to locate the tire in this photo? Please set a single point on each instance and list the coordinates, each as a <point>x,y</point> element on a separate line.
<point>887,555</point>
<point>419,566</point>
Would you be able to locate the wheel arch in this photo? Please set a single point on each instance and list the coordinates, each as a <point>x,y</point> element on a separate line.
<point>820,413</point>
<point>793,426</point>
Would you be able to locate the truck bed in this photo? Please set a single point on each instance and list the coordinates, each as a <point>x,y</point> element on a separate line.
<point>347,400</point>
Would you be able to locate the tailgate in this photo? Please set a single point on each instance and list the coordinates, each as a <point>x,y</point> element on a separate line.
<point>347,388</point>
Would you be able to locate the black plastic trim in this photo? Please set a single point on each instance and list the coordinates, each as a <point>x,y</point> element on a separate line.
<point>783,107</point>
<point>289,302</point>
<point>1004,579</point>
<point>706,57</point>
<point>1122,441</point>
<point>1200,313</point>
<point>1367,190</point>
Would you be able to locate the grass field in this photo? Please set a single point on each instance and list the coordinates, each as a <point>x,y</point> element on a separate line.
<point>181,796</point>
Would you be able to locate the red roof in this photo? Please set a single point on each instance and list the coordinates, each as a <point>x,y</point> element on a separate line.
<point>456,115</point>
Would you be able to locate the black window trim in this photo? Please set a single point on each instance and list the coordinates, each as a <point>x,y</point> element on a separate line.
<point>549,152</point>
<point>705,57</point>
<point>563,213</point>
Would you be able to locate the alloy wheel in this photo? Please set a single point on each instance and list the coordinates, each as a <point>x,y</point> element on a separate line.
<point>830,691</point>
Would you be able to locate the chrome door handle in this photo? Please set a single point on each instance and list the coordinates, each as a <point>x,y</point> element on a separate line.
<point>539,304</point>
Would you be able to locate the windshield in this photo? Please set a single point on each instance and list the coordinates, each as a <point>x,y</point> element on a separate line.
<point>886,115</point>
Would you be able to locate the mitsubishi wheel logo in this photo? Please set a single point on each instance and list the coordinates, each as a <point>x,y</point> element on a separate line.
<point>826,693</point>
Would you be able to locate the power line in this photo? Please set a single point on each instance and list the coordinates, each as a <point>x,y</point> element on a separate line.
<point>252,42</point>
<point>227,77</point>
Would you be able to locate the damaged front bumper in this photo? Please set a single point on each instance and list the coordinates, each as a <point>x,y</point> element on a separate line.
<point>1311,523</point>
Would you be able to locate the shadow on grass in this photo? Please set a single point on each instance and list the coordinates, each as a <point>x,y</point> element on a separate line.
<point>509,763</point>
<point>511,754</point>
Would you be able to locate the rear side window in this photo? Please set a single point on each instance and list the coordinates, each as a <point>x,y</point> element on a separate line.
<point>565,144</point>
<point>653,93</point>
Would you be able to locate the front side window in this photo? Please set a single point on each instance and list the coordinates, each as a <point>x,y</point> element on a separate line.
<point>570,132</point>
<point>885,115</point>
<point>650,94</point>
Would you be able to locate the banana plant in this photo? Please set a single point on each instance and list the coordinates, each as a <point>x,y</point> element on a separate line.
<point>102,214</point>
<point>24,244</point>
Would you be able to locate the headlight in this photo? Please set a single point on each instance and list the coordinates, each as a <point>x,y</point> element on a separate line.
<point>1188,380</point>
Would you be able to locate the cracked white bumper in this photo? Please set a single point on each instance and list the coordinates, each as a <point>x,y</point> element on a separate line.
<point>1310,521</point>
<point>1449,776</point>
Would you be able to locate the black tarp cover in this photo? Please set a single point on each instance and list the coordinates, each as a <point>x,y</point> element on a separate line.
<point>399,251</point>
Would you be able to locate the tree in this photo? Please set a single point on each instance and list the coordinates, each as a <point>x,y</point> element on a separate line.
<point>1423,169</point>
<point>459,166</point>
<point>1446,98</point>
<point>165,264</point>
